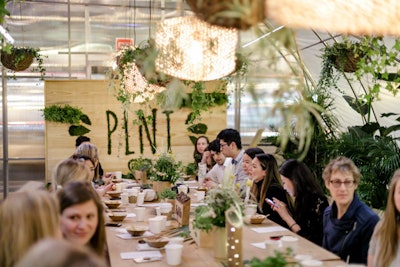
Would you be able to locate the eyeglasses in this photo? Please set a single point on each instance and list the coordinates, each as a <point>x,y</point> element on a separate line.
<point>338,183</point>
<point>223,145</point>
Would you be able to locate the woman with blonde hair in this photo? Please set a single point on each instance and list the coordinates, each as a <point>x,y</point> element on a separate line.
<point>25,218</point>
<point>59,253</point>
<point>91,151</point>
<point>348,223</point>
<point>384,248</point>
<point>70,170</point>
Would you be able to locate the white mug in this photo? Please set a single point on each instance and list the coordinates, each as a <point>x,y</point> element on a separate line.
<point>156,224</point>
<point>140,213</point>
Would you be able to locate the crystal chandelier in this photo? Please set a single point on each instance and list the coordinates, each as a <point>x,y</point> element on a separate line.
<point>137,85</point>
<point>191,49</point>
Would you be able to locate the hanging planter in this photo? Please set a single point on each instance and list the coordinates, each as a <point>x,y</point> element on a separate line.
<point>21,58</point>
<point>18,60</point>
<point>241,14</point>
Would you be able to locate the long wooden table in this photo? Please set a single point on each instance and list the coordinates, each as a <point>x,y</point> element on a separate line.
<point>195,256</point>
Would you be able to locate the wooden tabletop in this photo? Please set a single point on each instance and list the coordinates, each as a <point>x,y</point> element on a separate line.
<point>196,256</point>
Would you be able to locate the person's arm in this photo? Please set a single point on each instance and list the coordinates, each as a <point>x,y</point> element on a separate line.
<point>281,208</point>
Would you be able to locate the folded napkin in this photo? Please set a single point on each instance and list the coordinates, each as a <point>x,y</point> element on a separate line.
<point>140,254</point>
<point>268,229</point>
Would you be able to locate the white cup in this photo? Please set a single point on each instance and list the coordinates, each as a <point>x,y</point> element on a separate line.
<point>140,213</point>
<point>289,242</point>
<point>158,211</point>
<point>156,224</point>
<point>309,263</point>
<point>164,222</point>
<point>183,188</point>
<point>125,199</point>
<point>176,240</point>
<point>250,209</point>
<point>200,195</point>
<point>118,174</point>
<point>174,254</point>
<point>272,246</point>
<point>165,207</point>
<point>140,198</point>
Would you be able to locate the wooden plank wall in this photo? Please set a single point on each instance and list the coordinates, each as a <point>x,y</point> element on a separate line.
<point>95,98</point>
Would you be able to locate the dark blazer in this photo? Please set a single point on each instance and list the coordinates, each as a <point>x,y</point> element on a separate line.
<point>349,236</point>
<point>310,217</point>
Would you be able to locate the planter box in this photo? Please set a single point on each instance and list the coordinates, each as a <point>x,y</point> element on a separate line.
<point>202,238</point>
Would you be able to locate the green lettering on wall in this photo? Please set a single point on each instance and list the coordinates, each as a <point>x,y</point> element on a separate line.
<point>143,121</point>
<point>167,112</point>
<point>109,114</point>
<point>127,152</point>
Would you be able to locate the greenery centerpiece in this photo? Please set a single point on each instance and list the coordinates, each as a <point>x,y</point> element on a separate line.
<point>223,210</point>
<point>165,171</point>
<point>140,168</point>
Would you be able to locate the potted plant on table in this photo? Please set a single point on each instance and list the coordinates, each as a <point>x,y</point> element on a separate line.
<point>165,172</point>
<point>140,168</point>
<point>224,207</point>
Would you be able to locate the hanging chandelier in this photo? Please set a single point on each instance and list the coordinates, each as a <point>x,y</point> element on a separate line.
<point>191,49</point>
<point>137,85</point>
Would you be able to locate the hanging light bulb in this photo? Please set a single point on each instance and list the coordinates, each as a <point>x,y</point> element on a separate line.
<point>191,49</point>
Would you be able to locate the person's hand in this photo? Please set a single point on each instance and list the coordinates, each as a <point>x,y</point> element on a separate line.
<point>281,208</point>
<point>102,190</point>
<point>209,183</point>
<point>107,177</point>
<point>206,156</point>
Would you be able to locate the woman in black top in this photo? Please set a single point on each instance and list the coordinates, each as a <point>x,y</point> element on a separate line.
<point>309,201</point>
<point>267,184</point>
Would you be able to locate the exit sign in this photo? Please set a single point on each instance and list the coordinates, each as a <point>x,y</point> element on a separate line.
<point>121,42</point>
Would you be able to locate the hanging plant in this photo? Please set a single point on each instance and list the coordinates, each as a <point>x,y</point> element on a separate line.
<point>21,58</point>
<point>241,14</point>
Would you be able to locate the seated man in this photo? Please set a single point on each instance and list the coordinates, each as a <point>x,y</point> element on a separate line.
<point>215,176</point>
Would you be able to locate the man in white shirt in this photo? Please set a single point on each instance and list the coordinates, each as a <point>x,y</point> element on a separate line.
<point>231,146</point>
<point>215,176</point>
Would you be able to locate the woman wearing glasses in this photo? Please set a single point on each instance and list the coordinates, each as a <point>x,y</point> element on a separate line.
<point>348,223</point>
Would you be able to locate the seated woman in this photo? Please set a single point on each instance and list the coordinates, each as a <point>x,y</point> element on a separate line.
<point>25,218</point>
<point>82,216</point>
<point>70,170</point>
<point>348,223</point>
<point>267,184</point>
<point>309,201</point>
<point>384,247</point>
<point>248,156</point>
<point>58,252</point>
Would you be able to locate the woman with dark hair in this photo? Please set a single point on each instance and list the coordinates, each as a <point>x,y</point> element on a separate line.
<point>309,201</point>
<point>248,157</point>
<point>267,184</point>
<point>82,218</point>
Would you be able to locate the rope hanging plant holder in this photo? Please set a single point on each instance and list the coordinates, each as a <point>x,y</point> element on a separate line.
<point>239,14</point>
<point>18,60</point>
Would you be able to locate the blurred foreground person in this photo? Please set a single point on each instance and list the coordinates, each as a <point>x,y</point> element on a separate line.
<point>59,253</point>
<point>25,218</point>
